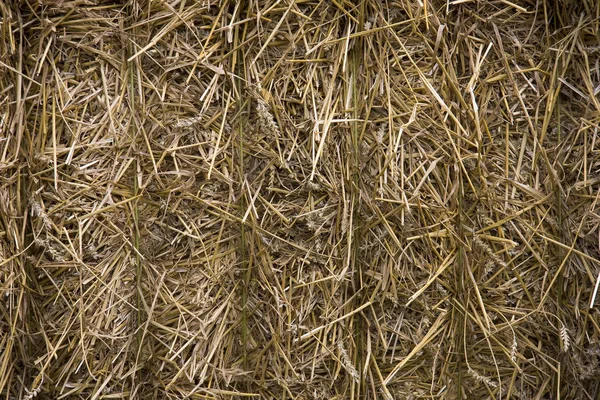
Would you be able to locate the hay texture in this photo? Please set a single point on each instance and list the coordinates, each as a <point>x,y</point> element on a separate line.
<point>299,199</point>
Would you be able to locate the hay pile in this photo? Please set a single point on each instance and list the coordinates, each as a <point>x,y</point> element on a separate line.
<point>299,199</point>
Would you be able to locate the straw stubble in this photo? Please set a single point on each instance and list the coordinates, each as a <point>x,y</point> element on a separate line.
<point>299,199</point>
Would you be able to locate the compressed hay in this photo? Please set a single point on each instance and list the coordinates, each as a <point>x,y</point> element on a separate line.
<point>299,199</point>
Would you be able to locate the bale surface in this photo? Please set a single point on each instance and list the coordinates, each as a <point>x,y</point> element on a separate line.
<point>299,199</point>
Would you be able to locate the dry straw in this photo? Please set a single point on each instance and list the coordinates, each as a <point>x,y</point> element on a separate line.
<point>298,199</point>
